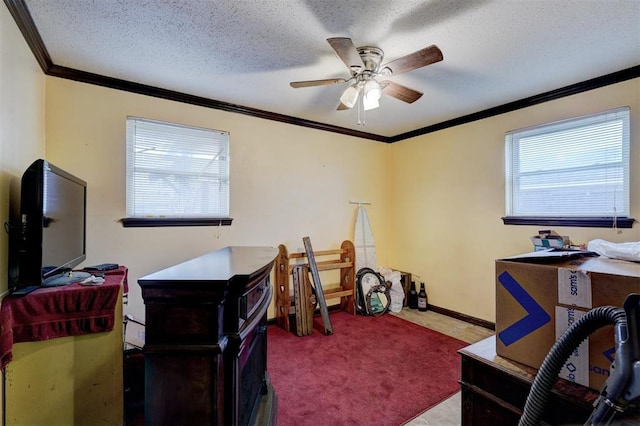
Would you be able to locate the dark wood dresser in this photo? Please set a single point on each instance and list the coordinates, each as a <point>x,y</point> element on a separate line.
<point>206,343</point>
<point>495,389</point>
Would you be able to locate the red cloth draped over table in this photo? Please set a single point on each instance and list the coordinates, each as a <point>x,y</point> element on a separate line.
<point>71,310</point>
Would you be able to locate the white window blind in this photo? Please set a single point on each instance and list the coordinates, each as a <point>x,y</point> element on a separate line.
<point>571,168</point>
<point>176,171</point>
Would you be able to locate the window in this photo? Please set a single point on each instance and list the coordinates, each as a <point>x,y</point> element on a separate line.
<point>573,172</point>
<point>176,175</point>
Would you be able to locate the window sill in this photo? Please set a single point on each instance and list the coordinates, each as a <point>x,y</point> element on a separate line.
<point>140,222</point>
<point>585,222</point>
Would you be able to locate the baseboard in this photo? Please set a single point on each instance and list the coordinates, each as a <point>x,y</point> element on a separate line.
<point>442,311</point>
<point>463,317</point>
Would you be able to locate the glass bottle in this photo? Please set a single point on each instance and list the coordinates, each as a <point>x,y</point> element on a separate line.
<point>413,296</point>
<point>422,299</point>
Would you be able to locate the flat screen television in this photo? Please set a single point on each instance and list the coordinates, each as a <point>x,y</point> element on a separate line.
<point>53,216</point>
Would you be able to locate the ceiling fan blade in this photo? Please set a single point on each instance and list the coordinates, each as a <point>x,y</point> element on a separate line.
<point>311,83</point>
<point>399,91</point>
<point>418,59</point>
<point>346,51</point>
<point>342,107</point>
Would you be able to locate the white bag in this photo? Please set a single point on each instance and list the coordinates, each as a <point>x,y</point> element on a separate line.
<point>625,251</point>
<point>397,292</point>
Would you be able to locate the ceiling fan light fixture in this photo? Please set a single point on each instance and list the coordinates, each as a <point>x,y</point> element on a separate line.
<point>365,65</point>
<point>372,89</point>
<point>370,102</point>
<point>350,96</point>
<point>372,93</point>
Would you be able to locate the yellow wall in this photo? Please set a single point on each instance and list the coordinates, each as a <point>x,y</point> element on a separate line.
<point>21,124</point>
<point>22,132</point>
<point>447,198</point>
<point>436,199</point>
<point>287,182</point>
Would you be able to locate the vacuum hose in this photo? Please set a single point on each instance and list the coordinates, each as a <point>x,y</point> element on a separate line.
<point>559,354</point>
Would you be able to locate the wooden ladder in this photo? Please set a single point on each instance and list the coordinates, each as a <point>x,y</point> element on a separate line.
<point>292,269</point>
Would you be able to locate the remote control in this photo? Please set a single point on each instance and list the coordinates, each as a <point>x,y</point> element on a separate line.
<point>102,267</point>
<point>24,290</point>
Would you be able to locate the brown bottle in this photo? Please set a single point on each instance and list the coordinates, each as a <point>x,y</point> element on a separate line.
<point>413,297</point>
<point>422,299</point>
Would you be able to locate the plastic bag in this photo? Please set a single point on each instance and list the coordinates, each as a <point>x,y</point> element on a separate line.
<point>625,251</point>
<point>397,292</point>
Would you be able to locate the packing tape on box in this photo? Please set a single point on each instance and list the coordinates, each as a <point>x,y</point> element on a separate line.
<point>574,288</point>
<point>576,369</point>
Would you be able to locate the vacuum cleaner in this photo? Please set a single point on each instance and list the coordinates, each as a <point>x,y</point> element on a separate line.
<point>619,400</point>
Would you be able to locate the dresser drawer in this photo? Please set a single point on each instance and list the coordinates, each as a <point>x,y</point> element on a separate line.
<point>252,300</point>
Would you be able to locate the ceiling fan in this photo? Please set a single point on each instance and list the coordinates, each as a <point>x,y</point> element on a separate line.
<point>364,66</point>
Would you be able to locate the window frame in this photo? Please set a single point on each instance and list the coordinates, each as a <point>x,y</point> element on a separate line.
<point>594,221</point>
<point>163,221</point>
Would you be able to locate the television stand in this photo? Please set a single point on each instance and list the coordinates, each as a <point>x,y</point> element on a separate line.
<point>65,278</point>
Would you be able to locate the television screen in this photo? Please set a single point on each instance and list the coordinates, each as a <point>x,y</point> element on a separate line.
<point>53,216</point>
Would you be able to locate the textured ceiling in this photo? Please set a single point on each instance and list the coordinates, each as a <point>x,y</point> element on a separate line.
<point>245,52</point>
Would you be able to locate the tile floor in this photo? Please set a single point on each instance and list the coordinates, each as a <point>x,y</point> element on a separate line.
<point>448,412</point>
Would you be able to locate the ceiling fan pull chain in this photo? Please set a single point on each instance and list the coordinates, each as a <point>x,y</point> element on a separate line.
<point>360,111</point>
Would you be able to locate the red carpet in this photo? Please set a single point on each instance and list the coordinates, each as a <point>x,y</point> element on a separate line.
<point>371,371</point>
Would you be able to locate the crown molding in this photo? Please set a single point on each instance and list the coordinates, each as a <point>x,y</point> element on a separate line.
<point>24,21</point>
<point>572,89</point>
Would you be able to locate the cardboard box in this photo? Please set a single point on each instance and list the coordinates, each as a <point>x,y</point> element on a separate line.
<point>538,297</point>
